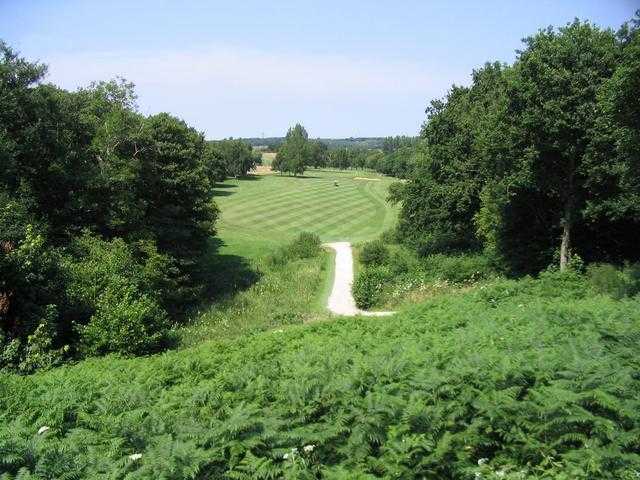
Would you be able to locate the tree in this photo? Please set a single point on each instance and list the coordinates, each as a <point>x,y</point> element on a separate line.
<point>238,156</point>
<point>317,154</point>
<point>552,103</point>
<point>87,163</point>
<point>447,168</point>
<point>295,153</point>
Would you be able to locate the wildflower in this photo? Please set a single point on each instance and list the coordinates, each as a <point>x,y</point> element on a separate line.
<point>308,448</point>
<point>285,456</point>
<point>482,461</point>
<point>500,473</point>
<point>43,429</point>
<point>135,456</point>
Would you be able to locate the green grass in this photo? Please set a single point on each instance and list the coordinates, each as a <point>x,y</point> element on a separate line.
<point>534,379</point>
<point>260,214</point>
<point>263,211</point>
<point>290,294</point>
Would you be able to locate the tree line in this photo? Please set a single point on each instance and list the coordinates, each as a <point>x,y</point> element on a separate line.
<point>104,215</point>
<point>297,153</point>
<point>537,162</point>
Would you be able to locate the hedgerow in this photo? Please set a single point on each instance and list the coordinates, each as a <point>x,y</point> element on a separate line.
<point>534,379</point>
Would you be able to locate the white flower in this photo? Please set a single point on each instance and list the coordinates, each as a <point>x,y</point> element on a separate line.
<point>308,448</point>
<point>285,456</point>
<point>482,461</point>
<point>500,473</point>
<point>135,456</point>
<point>43,429</point>
<point>478,475</point>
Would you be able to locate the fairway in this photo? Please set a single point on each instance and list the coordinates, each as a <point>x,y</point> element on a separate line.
<point>273,209</point>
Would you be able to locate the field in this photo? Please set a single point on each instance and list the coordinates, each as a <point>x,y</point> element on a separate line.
<point>263,211</point>
<point>267,158</point>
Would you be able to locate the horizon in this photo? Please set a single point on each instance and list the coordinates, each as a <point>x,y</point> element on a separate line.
<point>244,71</point>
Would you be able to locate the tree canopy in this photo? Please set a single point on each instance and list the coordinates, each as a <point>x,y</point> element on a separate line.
<point>92,193</point>
<point>535,161</point>
<point>296,152</point>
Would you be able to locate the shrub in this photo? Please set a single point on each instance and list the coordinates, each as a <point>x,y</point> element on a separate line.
<point>374,253</point>
<point>462,268</point>
<point>305,245</point>
<point>31,294</point>
<point>608,280</point>
<point>389,236</point>
<point>369,285</point>
<point>124,322</point>
<point>116,296</point>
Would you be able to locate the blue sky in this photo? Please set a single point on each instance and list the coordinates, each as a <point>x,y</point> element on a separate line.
<point>248,68</point>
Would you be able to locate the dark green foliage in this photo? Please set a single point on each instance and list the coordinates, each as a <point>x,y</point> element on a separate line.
<point>392,274</point>
<point>125,321</point>
<point>32,299</point>
<point>536,161</point>
<point>374,253</point>
<point>231,158</point>
<point>305,245</point>
<point>530,379</point>
<point>617,283</point>
<point>459,269</point>
<point>87,161</point>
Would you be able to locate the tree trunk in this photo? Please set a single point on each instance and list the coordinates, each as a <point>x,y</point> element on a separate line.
<point>565,245</point>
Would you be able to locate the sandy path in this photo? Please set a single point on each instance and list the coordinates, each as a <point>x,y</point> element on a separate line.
<point>341,300</point>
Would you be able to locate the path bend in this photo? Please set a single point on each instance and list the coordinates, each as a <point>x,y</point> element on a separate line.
<point>341,301</point>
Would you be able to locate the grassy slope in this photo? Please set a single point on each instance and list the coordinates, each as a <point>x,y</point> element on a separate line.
<point>534,376</point>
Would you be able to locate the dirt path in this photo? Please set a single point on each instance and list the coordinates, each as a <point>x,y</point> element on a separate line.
<point>341,300</point>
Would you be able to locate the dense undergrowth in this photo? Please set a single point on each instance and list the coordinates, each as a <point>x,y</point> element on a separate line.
<point>390,275</point>
<point>518,379</point>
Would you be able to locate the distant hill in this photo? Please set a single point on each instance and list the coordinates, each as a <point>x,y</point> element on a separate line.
<point>352,142</point>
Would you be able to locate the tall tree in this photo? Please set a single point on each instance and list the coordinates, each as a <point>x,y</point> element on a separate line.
<point>295,153</point>
<point>552,104</point>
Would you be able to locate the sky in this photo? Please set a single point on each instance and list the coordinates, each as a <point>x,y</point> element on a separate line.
<point>249,68</point>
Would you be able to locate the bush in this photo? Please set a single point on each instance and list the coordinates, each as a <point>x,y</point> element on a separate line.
<point>369,285</point>
<point>116,296</point>
<point>608,280</point>
<point>463,268</point>
<point>305,245</point>
<point>374,253</point>
<point>31,296</point>
<point>124,322</point>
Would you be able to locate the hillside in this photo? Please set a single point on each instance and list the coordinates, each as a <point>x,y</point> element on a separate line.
<point>529,379</point>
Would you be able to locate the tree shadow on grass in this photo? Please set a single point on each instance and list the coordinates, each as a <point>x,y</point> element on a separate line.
<point>301,177</point>
<point>222,193</point>
<point>224,275</point>
<point>250,177</point>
